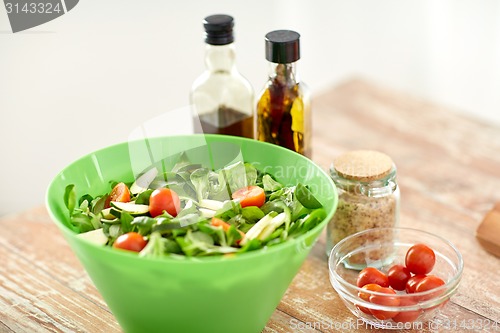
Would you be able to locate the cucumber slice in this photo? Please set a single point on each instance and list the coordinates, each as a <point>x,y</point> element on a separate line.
<point>131,208</point>
<point>106,214</point>
<point>95,236</point>
<point>142,182</point>
<point>275,223</point>
<point>211,204</point>
<point>207,213</point>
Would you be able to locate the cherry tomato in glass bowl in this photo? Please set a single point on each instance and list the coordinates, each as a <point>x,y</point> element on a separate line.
<point>372,275</point>
<point>420,259</point>
<point>412,283</point>
<point>407,316</point>
<point>428,283</point>
<point>398,276</point>
<point>366,296</point>
<point>402,306</point>
<point>385,300</point>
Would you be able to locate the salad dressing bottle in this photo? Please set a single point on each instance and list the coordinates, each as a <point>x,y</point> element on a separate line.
<point>284,106</point>
<point>222,98</point>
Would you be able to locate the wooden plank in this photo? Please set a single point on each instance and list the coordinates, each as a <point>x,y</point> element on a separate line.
<point>48,251</point>
<point>4,329</point>
<point>32,301</point>
<point>281,322</point>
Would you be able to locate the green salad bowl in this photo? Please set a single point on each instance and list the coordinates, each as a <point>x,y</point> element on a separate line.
<point>198,294</point>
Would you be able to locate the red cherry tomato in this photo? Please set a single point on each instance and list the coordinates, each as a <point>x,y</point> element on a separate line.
<point>131,241</point>
<point>398,275</point>
<point>385,300</point>
<point>428,283</point>
<point>164,199</point>
<point>420,259</point>
<point>250,196</point>
<point>372,275</point>
<point>412,283</point>
<point>119,193</point>
<point>407,316</point>
<point>366,296</point>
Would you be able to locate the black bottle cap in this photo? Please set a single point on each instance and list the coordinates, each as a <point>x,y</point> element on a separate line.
<point>219,29</point>
<point>282,46</point>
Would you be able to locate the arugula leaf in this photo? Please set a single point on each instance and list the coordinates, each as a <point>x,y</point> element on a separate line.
<point>81,221</point>
<point>313,219</point>
<point>95,220</point>
<point>155,247</point>
<point>199,178</point>
<point>171,246</point>
<point>270,185</point>
<point>229,210</point>
<point>235,176</point>
<point>144,224</point>
<point>252,214</point>
<point>143,197</point>
<point>85,197</point>
<point>70,198</point>
<point>195,242</point>
<point>97,205</point>
<point>181,163</point>
<point>306,198</point>
<point>251,174</point>
<point>187,219</point>
<point>158,246</point>
<point>232,235</point>
<point>217,187</point>
<point>126,221</point>
<point>115,231</point>
<point>251,245</point>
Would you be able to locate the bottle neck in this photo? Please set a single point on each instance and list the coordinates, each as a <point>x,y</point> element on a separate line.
<point>220,57</point>
<point>283,73</point>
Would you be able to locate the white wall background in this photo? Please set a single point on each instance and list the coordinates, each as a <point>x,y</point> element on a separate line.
<point>88,78</point>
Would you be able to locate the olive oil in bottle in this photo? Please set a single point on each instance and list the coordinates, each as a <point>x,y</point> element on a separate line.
<point>284,106</point>
<point>221,96</point>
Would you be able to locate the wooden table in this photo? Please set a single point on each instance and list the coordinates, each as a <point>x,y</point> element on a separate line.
<point>449,175</point>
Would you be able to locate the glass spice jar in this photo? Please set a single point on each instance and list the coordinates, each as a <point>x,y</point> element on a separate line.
<point>368,196</point>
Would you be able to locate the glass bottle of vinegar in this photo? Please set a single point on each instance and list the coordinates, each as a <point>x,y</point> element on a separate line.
<point>284,105</point>
<point>221,97</point>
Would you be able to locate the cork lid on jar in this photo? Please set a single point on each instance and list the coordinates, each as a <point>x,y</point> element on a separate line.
<point>363,165</point>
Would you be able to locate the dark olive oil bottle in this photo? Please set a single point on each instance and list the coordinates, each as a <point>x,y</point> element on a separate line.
<point>221,97</point>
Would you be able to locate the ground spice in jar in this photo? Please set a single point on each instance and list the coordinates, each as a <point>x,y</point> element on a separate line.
<point>368,198</point>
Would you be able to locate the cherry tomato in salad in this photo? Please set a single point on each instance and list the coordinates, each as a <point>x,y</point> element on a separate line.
<point>420,259</point>
<point>366,296</point>
<point>250,196</point>
<point>119,193</point>
<point>164,199</point>
<point>216,222</point>
<point>131,241</point>
<point>398,276</point>
<point>387,301</point>
<point>412,283</point>
<point>372,275</point>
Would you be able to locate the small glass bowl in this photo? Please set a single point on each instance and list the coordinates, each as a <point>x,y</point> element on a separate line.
<point>347,258</point>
